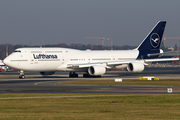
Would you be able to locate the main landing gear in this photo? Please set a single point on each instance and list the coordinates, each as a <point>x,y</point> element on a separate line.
<point>21,76</point>
<point>73,74</point>
<point>86,75</point>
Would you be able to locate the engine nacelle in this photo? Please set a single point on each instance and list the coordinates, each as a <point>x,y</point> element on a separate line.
<point>97,70</point>
<point>47,73</point>
<point>135,67</point>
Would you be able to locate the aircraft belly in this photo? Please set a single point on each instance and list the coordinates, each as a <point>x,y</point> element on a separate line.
<point>121,66</point>
<point>64,68</point>
<point>47,66</point>
<point>38,66</point>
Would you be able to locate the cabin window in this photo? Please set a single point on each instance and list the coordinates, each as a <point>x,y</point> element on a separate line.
<point>53,51</point>
<point>17,51</point>
<point>101,59</point>
<point>74,59</point>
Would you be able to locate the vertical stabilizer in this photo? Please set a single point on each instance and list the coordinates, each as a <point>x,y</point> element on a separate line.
<point>153,40</point>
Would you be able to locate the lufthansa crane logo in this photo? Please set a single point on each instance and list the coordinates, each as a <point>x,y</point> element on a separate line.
<point>155,40</point>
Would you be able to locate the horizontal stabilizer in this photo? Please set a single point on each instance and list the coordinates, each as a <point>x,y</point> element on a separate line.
<point>165,53</point>
<point>158,60</point>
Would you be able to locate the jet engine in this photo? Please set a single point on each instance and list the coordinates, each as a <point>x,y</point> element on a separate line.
<point>135,67</point>
<point>47,73</point>
<point>96,70</point>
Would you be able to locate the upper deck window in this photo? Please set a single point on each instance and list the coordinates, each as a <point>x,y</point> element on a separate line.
<point>36,51</point>
<point>53,51</point>
<point>17,51</point>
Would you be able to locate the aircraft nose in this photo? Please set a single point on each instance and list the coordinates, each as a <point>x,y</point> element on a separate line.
<point>6,61</point>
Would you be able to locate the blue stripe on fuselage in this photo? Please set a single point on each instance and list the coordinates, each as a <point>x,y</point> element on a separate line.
<point>143,54</point>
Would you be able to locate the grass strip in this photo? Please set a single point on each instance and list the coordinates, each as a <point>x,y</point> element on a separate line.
<point>102,106</point>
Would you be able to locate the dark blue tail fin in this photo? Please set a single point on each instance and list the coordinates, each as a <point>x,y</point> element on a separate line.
<point>153,39</point>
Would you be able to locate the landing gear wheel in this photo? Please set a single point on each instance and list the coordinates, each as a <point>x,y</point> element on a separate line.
<point>86,75</point>
<point>73,74</point>
<point>22,76</point>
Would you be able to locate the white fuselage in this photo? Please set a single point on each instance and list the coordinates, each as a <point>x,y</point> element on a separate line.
<point>58,59</point>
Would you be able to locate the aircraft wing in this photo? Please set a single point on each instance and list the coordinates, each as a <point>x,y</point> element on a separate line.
<point>106,64</point>
<point>116,63</point>
<point>144,61</point>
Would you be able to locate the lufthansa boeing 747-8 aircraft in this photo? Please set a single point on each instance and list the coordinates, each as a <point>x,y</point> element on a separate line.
<point>94,63</point>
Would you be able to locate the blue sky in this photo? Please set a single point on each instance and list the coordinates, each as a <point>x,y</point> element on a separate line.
<point>127,22</point>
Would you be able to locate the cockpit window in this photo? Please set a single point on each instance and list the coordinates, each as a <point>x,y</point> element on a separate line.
<point>17,51</point>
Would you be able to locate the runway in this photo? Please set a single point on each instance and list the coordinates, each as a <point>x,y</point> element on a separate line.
<point>38,84</point>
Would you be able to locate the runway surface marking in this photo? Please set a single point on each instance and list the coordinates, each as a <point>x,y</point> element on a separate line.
<point>78,96</point>
<point>42,82</point>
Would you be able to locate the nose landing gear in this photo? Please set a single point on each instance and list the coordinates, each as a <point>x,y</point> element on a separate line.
<point>21,76</point>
